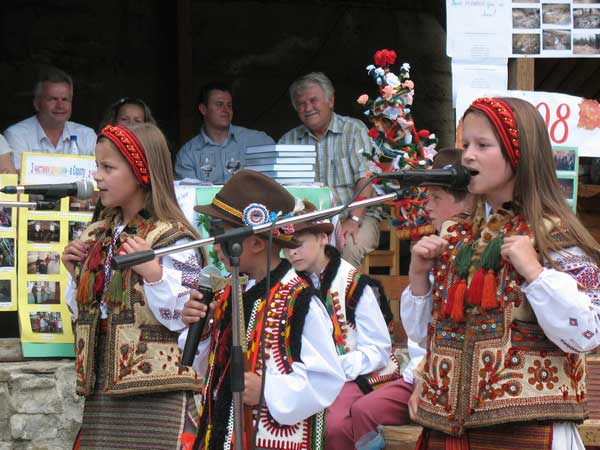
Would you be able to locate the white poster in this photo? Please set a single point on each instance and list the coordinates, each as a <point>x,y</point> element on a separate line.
<point>572,121</point>
<point>488,74</point>
<point>517,28</point>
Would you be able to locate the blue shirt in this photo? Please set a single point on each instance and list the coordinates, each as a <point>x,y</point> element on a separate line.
<point>201,150</point>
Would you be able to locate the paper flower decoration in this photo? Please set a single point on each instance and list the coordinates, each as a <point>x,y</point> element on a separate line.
<point>398,144</point>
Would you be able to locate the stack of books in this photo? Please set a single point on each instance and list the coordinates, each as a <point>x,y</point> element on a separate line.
<point>286,164</point>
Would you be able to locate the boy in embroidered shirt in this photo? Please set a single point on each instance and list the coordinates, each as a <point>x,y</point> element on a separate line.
<point>303,373</point>
<point>360,333</point>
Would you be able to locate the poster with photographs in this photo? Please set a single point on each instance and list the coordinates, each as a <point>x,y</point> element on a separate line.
<point>44,317</point>
<point>566,162</point>
<point>521,28</point>
<point>8,247</point>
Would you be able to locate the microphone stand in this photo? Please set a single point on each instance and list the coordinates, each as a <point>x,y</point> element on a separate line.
<point>40,205</point>
<point>233,250</point>
<point>230,242</point>
<point>132,259</point>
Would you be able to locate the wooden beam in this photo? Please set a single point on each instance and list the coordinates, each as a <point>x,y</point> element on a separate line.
<point>521,74</point>
<point>185,76</point>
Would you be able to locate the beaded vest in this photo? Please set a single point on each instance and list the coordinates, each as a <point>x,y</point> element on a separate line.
<point>288,304</point>
<point>141,355</point>
<point>490,362</point>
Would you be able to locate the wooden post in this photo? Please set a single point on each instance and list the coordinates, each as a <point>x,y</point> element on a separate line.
<point>521,74</point>
<point>185,76</point>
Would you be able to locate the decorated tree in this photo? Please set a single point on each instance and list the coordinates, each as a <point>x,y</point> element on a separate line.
<point>398,144</point>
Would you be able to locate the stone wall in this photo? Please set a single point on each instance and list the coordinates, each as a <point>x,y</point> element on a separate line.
<point>39,409</point>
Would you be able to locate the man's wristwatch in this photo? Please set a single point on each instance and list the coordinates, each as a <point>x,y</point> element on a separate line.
<point>356,219</point>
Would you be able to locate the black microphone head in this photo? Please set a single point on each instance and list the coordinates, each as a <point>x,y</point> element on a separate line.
<point>462,179</point>
<point>85,189</point>
<point>453,176</point>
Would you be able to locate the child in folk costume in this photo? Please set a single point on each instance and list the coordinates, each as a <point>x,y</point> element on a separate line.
<point>127,321</point>
<point>444,203</point>
<point>303,375</point>
<point>361,335</point>
<point>515,298</point>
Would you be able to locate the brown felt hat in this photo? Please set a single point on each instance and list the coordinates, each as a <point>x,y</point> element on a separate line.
<point>446,157</point>
<point>249,198</point>
<point>318,226</point>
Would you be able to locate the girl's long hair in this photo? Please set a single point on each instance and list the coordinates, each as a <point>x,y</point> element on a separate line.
<point>161,202</point>
<point>537,190</point>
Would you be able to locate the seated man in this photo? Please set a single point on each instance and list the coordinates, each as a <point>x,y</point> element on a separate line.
<point>361,334</point>
<point>340,165</point>
<point>206,156</point>
<point>49,130</point>
<point>303,375</point>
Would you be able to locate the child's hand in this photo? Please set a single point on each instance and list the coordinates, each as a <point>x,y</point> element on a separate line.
<point>151,271</point>
<point>194,309</point>
<point>252,384</point>
<point>424,253</point>
<point>74,254</point>
<point>519,251</point>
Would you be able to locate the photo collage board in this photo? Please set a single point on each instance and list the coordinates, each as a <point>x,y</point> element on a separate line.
<point>44,316</point>
<point>567,169</point>
<point>8,246</point>
<point>556,28</point>
<point>523,29</point>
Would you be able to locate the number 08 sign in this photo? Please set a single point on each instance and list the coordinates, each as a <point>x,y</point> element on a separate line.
<point>571,121</point>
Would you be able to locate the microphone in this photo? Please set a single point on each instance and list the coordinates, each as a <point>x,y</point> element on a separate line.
<point>79,189</point>
<point>195,330</point>
<point>452,176</point>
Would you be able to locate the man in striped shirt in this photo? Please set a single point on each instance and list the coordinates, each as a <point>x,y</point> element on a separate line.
<point>340,142</point>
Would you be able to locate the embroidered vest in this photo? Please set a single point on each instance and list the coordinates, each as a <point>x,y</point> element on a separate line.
<point>496,366</point>
<point>289,300</point>
<point>141,355</point>
<point>341,300</point>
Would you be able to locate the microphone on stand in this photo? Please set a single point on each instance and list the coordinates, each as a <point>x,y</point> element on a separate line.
<point>452,176</point>
<point>79,189</point>
<point>195,330</point>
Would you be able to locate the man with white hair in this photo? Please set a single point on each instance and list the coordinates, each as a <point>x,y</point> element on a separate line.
<point>49,130</point>
<point>339,141</point>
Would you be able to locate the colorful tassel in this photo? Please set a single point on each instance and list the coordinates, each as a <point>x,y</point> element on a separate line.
<point>83,292</point>
<point>187,440</point>
<point>457,313</point>
<point>115,293</point>
<point>447,308</point>
<point>476,287</point>
<point>490,288</point>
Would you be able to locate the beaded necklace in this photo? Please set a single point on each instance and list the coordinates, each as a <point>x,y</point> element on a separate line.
<point>474,253</point>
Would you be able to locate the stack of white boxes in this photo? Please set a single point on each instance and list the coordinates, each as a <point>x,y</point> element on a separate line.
<point>286,164</point>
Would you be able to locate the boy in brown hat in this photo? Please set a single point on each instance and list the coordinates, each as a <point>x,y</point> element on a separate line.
<point>303,373</point>
<point>358,314</point>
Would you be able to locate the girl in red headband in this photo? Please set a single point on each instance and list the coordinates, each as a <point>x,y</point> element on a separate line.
<point>127,321</point>
<point>515,301</point>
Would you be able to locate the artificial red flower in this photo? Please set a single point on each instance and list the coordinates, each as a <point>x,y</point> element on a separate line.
<point>373,133</point>
<point>384,57</point>
<point>423,134</point>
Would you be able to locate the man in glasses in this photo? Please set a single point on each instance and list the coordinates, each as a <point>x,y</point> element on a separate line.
<point>219,148</point>
<point>49,130</point>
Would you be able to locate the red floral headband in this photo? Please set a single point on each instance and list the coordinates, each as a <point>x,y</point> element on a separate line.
<point>503,119</point>
<point>130,147</point>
